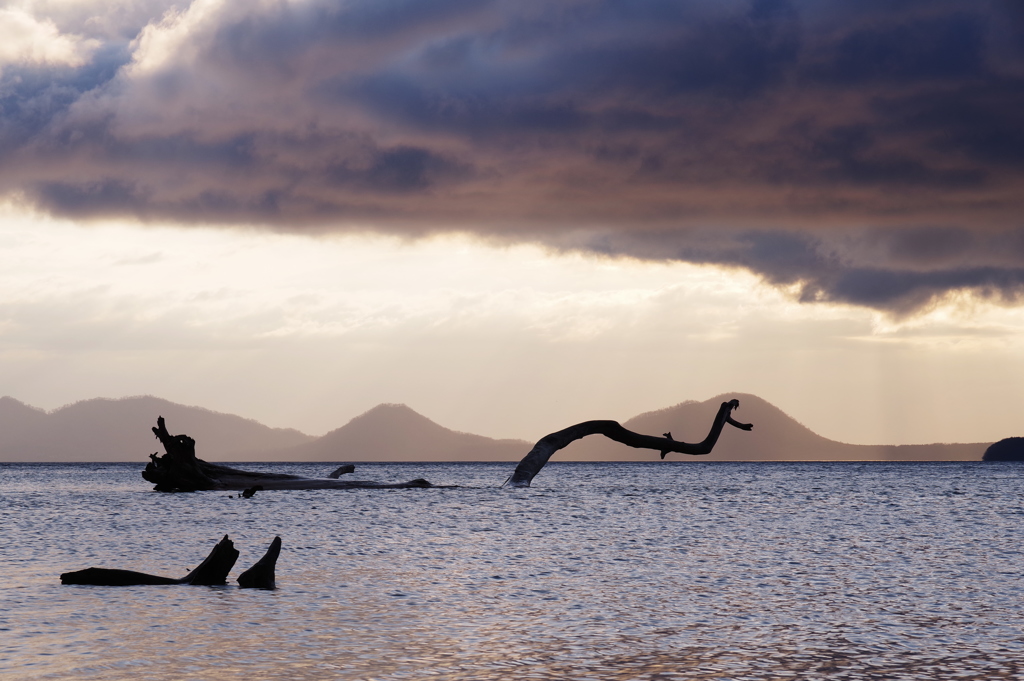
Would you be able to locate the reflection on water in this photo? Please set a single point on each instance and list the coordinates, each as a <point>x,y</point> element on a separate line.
<point>600,571</point>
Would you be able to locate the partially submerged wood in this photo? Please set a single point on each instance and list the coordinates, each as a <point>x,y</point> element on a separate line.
<point>178,470</point>
<point>212,571</point>
<point>341,470</point>
<point>261,575</point>
<point>535,460</point>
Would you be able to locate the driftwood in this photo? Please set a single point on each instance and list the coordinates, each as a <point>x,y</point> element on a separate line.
<point>261,575</point>
<point>549,444</point>
<point>180,471</point>
<point>212,571</point>
<point>341,470</point>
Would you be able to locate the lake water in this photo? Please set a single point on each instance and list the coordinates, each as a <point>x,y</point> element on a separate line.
<point>682,570</point>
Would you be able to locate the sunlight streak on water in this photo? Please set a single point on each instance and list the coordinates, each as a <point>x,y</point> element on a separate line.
<point>674,571</point>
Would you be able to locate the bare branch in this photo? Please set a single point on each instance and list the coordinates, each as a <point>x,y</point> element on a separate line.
<point>533,462</point>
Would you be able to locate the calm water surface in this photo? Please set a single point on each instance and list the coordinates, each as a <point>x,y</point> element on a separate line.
<point>600,571</point>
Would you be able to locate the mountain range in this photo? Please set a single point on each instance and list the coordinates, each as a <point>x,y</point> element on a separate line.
<point>119,430</point>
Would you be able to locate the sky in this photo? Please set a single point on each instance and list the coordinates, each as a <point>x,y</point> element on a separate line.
<point>513,216</point>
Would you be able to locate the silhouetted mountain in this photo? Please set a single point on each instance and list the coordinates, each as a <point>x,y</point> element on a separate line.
<point>119,430</point>
<point>394,432</point>
<point>776,437</point>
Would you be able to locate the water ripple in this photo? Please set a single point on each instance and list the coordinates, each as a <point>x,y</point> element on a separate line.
<point>600,571</point>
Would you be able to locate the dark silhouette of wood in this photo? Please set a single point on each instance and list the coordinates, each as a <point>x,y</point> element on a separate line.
<point>341,470</point>
<point>212,571</point>
<point>261,575</point>
<point>179,470</point>
<point>248,493</point>
<point>108,577</point>
<point>535,460</point>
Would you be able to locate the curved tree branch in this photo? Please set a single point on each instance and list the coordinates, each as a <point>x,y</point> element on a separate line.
<point>549,444</point>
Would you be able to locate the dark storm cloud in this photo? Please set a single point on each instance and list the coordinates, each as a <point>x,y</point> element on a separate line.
<point>869,153</point>
<point>934,48</point>
<point>32,96</point>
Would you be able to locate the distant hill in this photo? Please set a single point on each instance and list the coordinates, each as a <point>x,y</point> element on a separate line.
<point>119,430</point>
<point>1009,449</point>
<point>776,437</point>
<point>394,432</point>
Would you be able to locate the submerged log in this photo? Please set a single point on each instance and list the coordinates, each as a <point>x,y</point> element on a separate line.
<point>107,577</point>
<point>179,470</point>
<point>535,460</point>
<point>212,571</point>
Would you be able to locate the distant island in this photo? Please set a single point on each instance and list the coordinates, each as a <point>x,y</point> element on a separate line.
<point>1009,449</point>
<point>119,430</point>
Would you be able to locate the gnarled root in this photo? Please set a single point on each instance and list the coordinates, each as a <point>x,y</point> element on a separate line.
<point>179,470</point>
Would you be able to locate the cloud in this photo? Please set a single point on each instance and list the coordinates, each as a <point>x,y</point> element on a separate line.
<point>869,154</point>
<point>25,39</point>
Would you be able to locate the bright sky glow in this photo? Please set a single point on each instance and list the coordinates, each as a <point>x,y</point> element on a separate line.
<point>508,342</point>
